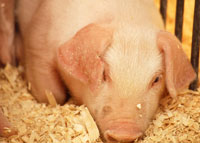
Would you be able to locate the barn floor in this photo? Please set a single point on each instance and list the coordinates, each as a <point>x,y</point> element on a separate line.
<point>177,120</point>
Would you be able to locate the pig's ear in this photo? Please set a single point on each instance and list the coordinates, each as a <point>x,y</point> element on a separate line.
<point>179,71</point>
<point>81,57</point>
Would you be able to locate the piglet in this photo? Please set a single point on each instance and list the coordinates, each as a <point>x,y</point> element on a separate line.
<point>113,56</point>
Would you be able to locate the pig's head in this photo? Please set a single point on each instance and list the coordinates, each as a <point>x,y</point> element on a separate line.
<point>121,75</point>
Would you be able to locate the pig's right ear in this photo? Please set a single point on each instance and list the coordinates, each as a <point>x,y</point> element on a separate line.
<point>81,57</point>
<point>178,70</point>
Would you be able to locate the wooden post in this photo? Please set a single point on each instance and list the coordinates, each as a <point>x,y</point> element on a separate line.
<point>163,9</point>
<point>195,43</point>
<point>179,18</point>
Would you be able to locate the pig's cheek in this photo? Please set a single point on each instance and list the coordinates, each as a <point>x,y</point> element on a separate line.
<point>103,112</point>
<point>95,109</point>
<point>97,100</point>
<point>152,101</point>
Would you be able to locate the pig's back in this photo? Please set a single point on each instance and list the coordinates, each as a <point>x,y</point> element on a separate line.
<point>59,20</point>
<point>25,9</point>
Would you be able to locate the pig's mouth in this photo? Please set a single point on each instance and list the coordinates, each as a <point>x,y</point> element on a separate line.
<point>121,131</point>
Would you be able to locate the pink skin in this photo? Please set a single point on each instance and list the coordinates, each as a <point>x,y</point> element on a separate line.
<point>111,64</point>
<point>7,51</point>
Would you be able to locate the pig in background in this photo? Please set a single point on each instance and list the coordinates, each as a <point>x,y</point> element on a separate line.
<point>7,51</point>
<point>113,56</point>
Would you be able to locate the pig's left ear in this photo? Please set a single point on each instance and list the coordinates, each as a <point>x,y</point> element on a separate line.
<point>178,70</point>
<point>82,56</point>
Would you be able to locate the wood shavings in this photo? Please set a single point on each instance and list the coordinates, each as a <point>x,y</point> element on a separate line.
<point>90,125</point>
<point>51,98</point>
<point>175,123</point>
<point>29,86</point>
<point>7,130</point>
<point>41,123</point>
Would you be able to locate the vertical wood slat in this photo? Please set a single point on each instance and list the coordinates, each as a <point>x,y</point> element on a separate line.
<point>195,43</point>
<point>179,18</point>
<point>163,9</point>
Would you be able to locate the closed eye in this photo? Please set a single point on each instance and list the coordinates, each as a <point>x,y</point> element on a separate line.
<point>156,79</point>
<point>104,75</point>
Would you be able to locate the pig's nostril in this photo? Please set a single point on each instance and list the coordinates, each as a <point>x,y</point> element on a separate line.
<point>111,139</point>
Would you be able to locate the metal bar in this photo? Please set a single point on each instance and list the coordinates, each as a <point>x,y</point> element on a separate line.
<point>195,43</point>
<point>179,18</point>
<point>163,9</point>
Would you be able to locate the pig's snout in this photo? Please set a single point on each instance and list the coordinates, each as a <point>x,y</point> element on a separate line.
<point>122,132</point>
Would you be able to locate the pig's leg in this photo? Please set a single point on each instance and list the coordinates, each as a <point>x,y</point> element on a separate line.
<point>39,52</point>
<point>43,76</point>
<point>7,52</point>
<point>5,127</point>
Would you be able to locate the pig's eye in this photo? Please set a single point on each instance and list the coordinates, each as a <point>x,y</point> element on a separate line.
<point>104,75</point>
<point>156,80</point>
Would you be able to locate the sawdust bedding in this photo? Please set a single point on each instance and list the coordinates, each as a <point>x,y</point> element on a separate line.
<point>177,120</point>
<point>41,123</point>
